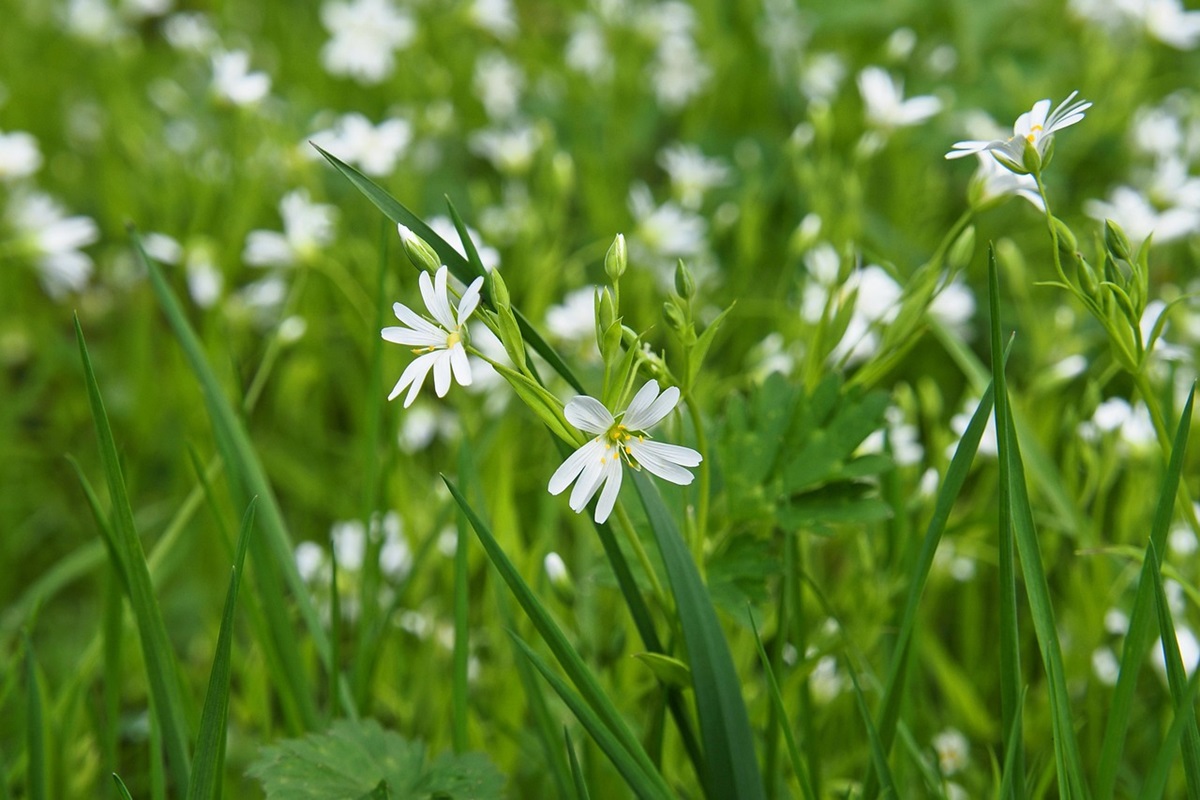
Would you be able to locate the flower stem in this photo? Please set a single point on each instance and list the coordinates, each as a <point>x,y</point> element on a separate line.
<point>1037,176</point>
<point>1164,441</point>
<point>701,534</point>
<point>642,556</point>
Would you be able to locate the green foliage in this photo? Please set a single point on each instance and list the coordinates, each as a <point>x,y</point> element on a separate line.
<point>354,760</point>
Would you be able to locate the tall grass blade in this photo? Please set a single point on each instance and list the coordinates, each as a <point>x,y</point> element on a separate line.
<point>35,730</point>
<point>731,765</point>
<point>806,788</point>
<point>161,670</point>
<point>566,655</point>
<point>1156,779</point>
<point>272,552</point>
<point>209,765</point>
<point>878,756</point>
<point>1176,679</point>
<point>581,790</point>
<point>121,787</point>
<point>1012,749</point>
<point>1140,634</point>
<point>459,266</point>
<point>645,784</point>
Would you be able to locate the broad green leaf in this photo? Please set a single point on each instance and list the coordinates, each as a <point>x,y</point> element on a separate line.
<point>354,757</point>
<point>731,765</point>
<point>380,792</point>
<point>208,769</point>
<point>161,671</point>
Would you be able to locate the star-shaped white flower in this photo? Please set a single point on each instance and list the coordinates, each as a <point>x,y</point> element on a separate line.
<point>599,461</point>
<point>439,343</point>
<point>1036,126</point>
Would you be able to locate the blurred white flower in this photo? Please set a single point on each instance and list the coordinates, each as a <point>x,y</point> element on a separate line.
<point>573,320</point>
<point>1189,651</point>
<point>365,37</point>
<point>497,17</point>
<point>953,751</point>
<point>958,423</point>
<point>556,569</point>
<point>234,82</point>
<point>1182,540</point>
<point>19,155</point>
<point>498,83</point>
<point>678,72</point>
<point>667,231</point>
<point>191,31</point>
<point>1130,209</point>
<point>949,560</point>
<point>691,172</point>
<point>307,227</point>
<point>587,49</point>
<point>598,462</point>
<point>439,343</point>
<point>349,540</point>
<point>510,149</point>
<point>993,182</point>
<point>52,240</point>
<point>954,306</point>
<point>885,106</point>
<point>1170,23</point>
<point>1116,622</point>
<point>822,76</point>
<point>375,149</point>
<point>1036,127</point>
<point>826,682</point>
<point>310,562</point>
<point>443,226</point>
<point>422,424</point>
<point>395,555</point>
<point>93,20</point>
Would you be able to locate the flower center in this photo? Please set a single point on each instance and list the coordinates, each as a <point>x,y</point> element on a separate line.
<point>454,338</point>
<point>1033,133</point>
<point>618,436</point>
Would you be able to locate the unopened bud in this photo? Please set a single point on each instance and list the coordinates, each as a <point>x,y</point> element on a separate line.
<point>499,293</point>
<point>418,250</point>
<point>1087,277</point>
<point>674,316</point>
<point>962,249</point>
<point>685,284</point>
<point>1031,159</point>
<point>1067,243</point>
<point>1116,241</point>
<point>616,259</point>
<point>560,578</point>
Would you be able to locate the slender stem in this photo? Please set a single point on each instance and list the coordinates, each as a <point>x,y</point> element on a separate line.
<point>1164,441</point>
<point>1037,176</point>
<point>642,556</point>
<point>705,480</point>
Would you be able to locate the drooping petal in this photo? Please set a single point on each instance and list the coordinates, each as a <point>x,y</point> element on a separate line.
<point>414,375</point>
<point>588,414</point>
<point>414,320</point>
<point>460,364</point>
<point>648,408</point>
<point>612,488</point>
<point>569,470</point>
<point>588,481</point>
<point>667,461</point>
<point>438,302</point>
<point>469,300</point>
<point>441,373</point>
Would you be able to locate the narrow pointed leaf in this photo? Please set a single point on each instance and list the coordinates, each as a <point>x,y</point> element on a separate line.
<point>1176,678</point>
<point>581,790</point>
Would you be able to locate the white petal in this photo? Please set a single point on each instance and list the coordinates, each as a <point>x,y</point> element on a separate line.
<point>643,413</point>
<point>413,374</point>
<point>588,414</point>
<point>437,303</point>
<point>407,336</point>
<point>612,488</point>
<point>667,461</point>
<point>460,364</point>
<point>469,300</point>
<point>589,480</point>
<point>441,373</point>
<point>413,320</point>
<point>570,469</point>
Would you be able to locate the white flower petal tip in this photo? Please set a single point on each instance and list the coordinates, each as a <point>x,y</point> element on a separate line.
<point>596,466</point>
<point>438,342</point>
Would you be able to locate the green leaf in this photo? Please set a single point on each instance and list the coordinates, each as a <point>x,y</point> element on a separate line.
<point>1176,678</point>
<point>209,766</point>
<point>354,757</point>
<point>1012,751</point>
<point>797,762</point>
<point>380,792</point>
<point>731,766</point>
<point>121,787</point>
<point>458,265</point>
<point>1156,779</point>
<point>161,670</point>
<point>669,671</point>
<point>581,790</point>
<point>700,348</point>
<point>35,729</point>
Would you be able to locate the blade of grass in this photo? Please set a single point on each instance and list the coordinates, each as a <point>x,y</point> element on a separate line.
<point>1140,634</point>
<point>1010,637</point>
<point>272,552</point>
<point>581,790</point>
<point>1071,776</point>
<point>878,756</point>
<point>462,630</point>
<point>806,789</point>
<point>731,765</point>
<point>1176,679</point>
<point>1156,780</point>
<point>1012,747</point>
<point>109,722</point>
<point>644,784</point>
<point>208,768</point>
<point>459,266</point>
<point>35,730</point>
<point>552,635</point>
<point>161,670</point>
<point>121,787</point>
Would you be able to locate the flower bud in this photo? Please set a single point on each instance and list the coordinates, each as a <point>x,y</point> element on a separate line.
<point>560,578</point>
<point>1087,277</point>
<point>1067,243</point>
<point>1031,159</point>
<point>616,259</point>
<point>685,284</point>
<point>674,316</point>
<point>418,250</point>
<point>962,249</point>
<point>1116,241</point>
<point>499,290</point>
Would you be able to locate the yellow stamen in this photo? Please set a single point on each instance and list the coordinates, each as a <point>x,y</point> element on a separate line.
<point>454,338</point>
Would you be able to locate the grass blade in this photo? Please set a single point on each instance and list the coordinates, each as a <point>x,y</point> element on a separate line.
<point>462,269</point>
<point>35,731</point>
<point>645,785</point>
<point>552,635</point>
<point>1012,747</point>
<point>731,766</point>
<point>1156,779</point>
<point>121,787</point>
<point>806,788</point>
<point>272,552</point>
<point>210,742</point>
<point>161,670</point>
<point>581,790</point>
<point>1140,634</point>
<point>1176,679</point>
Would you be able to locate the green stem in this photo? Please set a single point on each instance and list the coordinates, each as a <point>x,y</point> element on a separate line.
<point>642,556</point>
<point>704,483</point>
<point>1165,437</point>
<point>1037,176</point>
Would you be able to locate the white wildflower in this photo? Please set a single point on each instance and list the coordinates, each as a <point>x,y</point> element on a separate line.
<point>53,241</point>
<point>365,37</point>
<point>1035,127</point>
<point>307,227</point>
<point>692,173</point>
<point>885,106</point>
<point>19,155</point>
<point>233,81</point>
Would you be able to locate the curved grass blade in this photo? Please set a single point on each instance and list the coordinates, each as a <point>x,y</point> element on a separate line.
<point>272,552</point>
<point>1156,779</point>
<point>35,731</point>
<point>581,790</point>
<point>878,756</point>
<point>645,785</point>
<point>161,670</point>
<point>121,787</point>
<point>731,765</point>
<point>1176,679</point>
<point>806,788</point>
<point>462,269</point>
<point>552,635</point>
<point>1140,634</point>
<point>210,741</point>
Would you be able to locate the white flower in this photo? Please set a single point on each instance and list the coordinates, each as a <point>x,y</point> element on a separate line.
<point>1130,209</point>
<point>953,751</point>
<point>692,173</point>
<point>307,226</point>
<point>310,561</point>
<point>495,16</point>
<point>678,73</point>
<point>366,34</point>
<point>53,240</point>
<point>886,107</point>
<point>1036,126</point>
<point>190,30</point>
<point>1106,666</point>
<point>587,50</point>
<point>993,182</point>
<point>19,155</point>
<point>498,84</point>
<point>1189,652</point>
<point>1167,21</point>
<point>599,461</point>
<point>511,149</point>
<point>349,541</point>
<point>667,231</point>
<point>233,81</point>
<point>573,319</point>
<point>374,148</point>
<point>439,345</point>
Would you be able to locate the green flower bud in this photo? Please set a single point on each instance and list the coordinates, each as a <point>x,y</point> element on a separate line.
<point>1031,159</point>
<point>499,290</point>
<point>674,316</point>
<point>685,284</point>
<point>1087,277</point>
<point>616,259</point>
<point>559,577</point>
<point>1116,241</point>
<point>1068,245</point>
<point>418,250</point>
<point>962,249</point>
